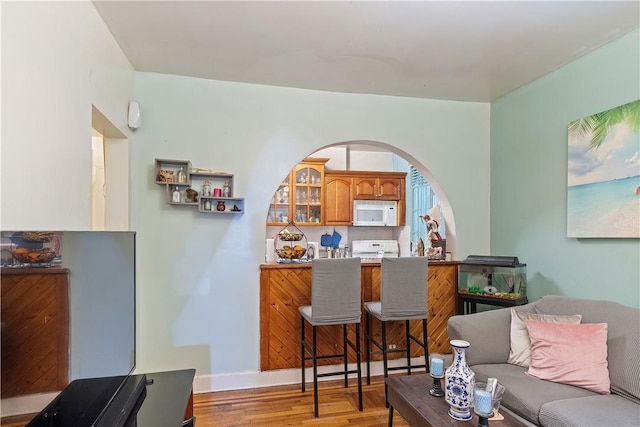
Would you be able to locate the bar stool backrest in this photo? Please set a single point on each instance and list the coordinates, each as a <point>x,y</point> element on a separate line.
<point>335,291</point>
<point>404,287</point>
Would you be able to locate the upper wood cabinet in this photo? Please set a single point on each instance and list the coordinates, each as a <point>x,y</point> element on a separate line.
<point>343,187</point>
<point>379,186</point>
<point>338,198</point>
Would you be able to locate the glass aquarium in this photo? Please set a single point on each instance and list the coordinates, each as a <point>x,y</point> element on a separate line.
<point>498,276</point>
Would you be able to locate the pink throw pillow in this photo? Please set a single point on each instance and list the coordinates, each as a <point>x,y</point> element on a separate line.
<point>574,354</point>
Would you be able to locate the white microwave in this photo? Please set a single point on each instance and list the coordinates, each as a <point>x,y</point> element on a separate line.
<point>375,213</point>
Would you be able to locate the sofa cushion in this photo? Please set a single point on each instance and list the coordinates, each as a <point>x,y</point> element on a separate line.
<point>525,395</point>
<point>520,352</point>
<point>623,336</point>
<point>488,336</point>
<point>603,410</point>
<point>570,354</point>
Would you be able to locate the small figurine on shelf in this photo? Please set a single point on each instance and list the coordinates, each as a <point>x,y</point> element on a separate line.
<point>191,195</point>
<point>226,189</point>
<point>221,207</point>
<point>165,175</point>
<point>207,205</point>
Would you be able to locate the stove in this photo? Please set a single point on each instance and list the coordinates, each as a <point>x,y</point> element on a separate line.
<point>374,249</point>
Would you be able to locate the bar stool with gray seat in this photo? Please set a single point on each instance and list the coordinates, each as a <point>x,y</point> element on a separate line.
<point>403,297</point>
<point>335,300</point>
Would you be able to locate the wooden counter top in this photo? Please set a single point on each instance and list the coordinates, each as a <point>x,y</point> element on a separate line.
<point>8,271</point>
<point>276,265</point>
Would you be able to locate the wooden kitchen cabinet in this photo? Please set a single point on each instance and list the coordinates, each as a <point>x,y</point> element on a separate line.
<point>279,206</point>
<point>338,198</point>
<point>301,194</point>
<point>285,287</point>
<point>379,186</point>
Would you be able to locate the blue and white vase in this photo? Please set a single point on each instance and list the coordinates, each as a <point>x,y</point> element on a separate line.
<point>459,382</point>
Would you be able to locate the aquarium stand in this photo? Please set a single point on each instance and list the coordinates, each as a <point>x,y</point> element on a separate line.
<point>467,301</point>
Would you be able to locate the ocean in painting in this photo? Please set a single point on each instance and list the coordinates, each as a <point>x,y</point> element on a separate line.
<point>604,209</point>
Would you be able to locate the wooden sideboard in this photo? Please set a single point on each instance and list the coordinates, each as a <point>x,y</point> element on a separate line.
<point>35,330</point>
<point>285,287</point>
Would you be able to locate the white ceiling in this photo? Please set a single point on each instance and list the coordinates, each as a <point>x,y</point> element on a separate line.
<point>457,50</point>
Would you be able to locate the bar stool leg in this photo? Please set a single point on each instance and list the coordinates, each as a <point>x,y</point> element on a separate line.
<point>407,331</point>
<point>368,345</point>
<point>426,344</point>
<point>358,359</point>
<point>315,374</point>
<point>302,361</point>
<point>383,326</point>
<point>345,356</point>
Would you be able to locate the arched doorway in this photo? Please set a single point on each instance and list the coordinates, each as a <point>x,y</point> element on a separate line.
<point>366,155</point>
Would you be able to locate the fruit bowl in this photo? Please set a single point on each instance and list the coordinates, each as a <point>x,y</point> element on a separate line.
<point>287,236</point>
<point>288,252</point>
<point>34,256</point>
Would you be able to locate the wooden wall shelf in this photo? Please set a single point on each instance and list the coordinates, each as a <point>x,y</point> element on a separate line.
<point>177,176</point>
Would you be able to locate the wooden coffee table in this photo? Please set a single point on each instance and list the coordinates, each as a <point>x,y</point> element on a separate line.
<point>409,395</point>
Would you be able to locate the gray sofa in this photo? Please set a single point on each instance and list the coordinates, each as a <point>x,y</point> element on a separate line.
<point>546,403</point>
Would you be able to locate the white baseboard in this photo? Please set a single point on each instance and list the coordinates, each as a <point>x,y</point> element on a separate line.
<point>247,380</point>
<point>29,404</point>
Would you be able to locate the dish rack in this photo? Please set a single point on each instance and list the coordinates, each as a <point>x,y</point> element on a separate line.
<point>290,244</point>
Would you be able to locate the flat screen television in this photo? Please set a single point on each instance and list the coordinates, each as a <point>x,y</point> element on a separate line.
<point>102,308</point>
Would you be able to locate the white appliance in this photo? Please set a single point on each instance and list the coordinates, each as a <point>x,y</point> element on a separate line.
<point>374,249</point>
<point>375,213</point>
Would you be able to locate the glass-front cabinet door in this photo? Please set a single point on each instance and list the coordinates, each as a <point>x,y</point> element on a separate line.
<point>300,196</point>
<point>280,203</point>
<point>308,183</point>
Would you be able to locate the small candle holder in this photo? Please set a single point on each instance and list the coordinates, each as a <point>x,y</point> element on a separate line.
<point>486,401</point>
<point>483,420</point>
<point>436,370</point>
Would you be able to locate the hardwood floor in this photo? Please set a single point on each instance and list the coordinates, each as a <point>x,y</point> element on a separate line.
<point>287,406</point>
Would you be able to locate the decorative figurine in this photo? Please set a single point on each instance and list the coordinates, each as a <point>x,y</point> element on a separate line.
<point>434,250</point>
<point>165,176</point>
<point>191,195</point>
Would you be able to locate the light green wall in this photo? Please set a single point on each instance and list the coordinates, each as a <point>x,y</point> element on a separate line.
<point>198,275</point>
<point>529,177</point>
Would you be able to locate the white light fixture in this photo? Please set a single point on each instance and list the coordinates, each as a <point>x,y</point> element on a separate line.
<point>134,115</point>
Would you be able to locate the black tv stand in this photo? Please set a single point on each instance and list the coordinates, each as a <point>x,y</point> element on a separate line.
<point>145,400</point>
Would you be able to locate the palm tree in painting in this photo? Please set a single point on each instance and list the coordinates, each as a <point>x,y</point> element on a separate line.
<point>595,127</point>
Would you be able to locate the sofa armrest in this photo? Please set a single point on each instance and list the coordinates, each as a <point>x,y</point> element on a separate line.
<point>488,333</point>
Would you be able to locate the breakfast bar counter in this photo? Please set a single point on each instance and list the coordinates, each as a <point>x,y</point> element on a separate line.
<point>285,287</point>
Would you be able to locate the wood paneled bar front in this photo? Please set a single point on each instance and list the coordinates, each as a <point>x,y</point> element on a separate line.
<point>35,330</point>
<point>285,287</point>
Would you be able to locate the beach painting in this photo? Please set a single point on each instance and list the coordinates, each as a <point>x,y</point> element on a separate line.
<point>603,190</point>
